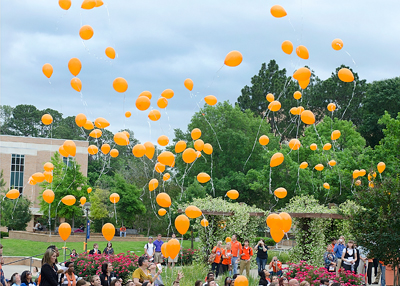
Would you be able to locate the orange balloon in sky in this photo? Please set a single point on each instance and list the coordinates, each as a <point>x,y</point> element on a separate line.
<point>162,102</point>
<point>331,107</point>
<point>96,133</point>
<point>287,47</point>
<point>93,149</point>
<point>189,155</point>
<point>159,167</point>
<point>68,200</point>
<point>101,122</point>
<point>150,149</point>
<point>163,200</point>
<point>74,66</point>
<point>13,194</point>
<point>302,74</point>
<point>182,224</point>
<point>195,134</point>
<point>143,103</point>
<point>193,212</point>
<point>210,100</point>
<point>154,115</point>
<point>80,119</point>
<point>168,93</point>
<point>308,117</point>
<point>47,119</point>
<point>233,59</point>
<point>47,70</point>
<point>345,75</point>
<point>302,52</point>
<point>86,32</point>
<point>128,114</point>
<point>188,84</point>
<point>48,196</point>
<point>139,150</point>
<point>105,148</point>
<point>180,146</point>
<point>208,149</point>
<point>264,140</point>
<point>76,84</point>
<point>62,151</point>
<point>70,147</point>
<point>276,159</point>
<point>64,4</point>
<point>277,11</point>
<point>337,44</point>
<point>120,84</point>
<point>163,140</point>
<point>173,248</point>
<point>48,167</point>
<point>297,95</point>
<point>146,93</point>
<point>110,52</point>
<point>108,231</point>
<point>304,83</point>
<point>89,126</point>
<point>114,153</point>
<point>64,230</point>
<point>88,4</point>
<point>166,158</point>
<point>270,97</point>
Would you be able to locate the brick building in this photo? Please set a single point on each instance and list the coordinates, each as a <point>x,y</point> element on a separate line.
<point>20,157</point>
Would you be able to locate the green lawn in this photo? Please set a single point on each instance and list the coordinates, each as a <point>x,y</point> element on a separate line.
<point>17,247</point>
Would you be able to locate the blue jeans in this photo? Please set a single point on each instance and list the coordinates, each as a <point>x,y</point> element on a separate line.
<point>261,263</point>
<point>122,233</point>
<point>235,265</point>
<point>383,280</point>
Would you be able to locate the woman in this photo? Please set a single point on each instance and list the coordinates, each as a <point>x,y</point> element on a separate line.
<point>69,278</point>
<point>330,259</point>
<point>264,278</point>
<point>156,280</point>
<point>35,273</point>
<point>95,280</point>
<point>26,279</point>
<point>262,254</point>
<point>49,270</point>
<point>142,274</point>
<point>73,254</point>
<point>107,275</point>
<point>227,281</point>
<point>108,250</point>
<point>116,282</point>
<point>283,281</point>
<point>349,257</point>
<point>304,283</point>
<point>217,261</point>
<point>15,279</point>
<point>227,259</point>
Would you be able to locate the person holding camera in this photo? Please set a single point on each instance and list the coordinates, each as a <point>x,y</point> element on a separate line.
<point>338,250</point>
<point>276,266</point>
<point>262,254</point>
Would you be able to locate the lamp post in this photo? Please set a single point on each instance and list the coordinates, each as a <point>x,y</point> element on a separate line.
<point>87,206</point>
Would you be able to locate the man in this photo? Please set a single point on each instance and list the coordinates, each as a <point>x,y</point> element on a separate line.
<point>294,282</point>
<point>157,251</point>
<point>338,251</point>
<point>362,267</point>
<point>95,249</point>
<point>210,277</point>
<point>333,242</point>
<point>142,274</point>
<point>149,249</point>
<point>276,266</point>
<point>122,231</point>
<point>38,226</point>
<point>175,260</point>
<point>236,247</point>
<point>245,256</point>
<point>2,278</point>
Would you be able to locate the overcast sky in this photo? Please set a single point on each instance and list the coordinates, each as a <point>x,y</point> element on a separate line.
<point>161,43</point>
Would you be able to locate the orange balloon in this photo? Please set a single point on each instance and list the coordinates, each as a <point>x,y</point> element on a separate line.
<point>188,84</point>
<point>332,163</point>
<point>120,84</point>
<point>173,248</point>
<point>297,95</point>
<point>128,114</point>
<point>114,153</point>
<point>337,44</point>
<point>381,167</point>
<point>68,200</point>
<point>70,147</point>
<point>88,4</point>
<point>193,212</point>
<point>76,84</point>
<point>232,194</point>
<point>168,93</point>
<point>241,280</point>
<point>287,47</point>
<point>150,149</point>
<point>153,184</point>
<point>166,177</point>
<point>358,183</point>
<point>47,70</point>
<point>154,115</point>
<point>86,32</point>
<point>303,165</point>
<point>105,148</point>
<point>163,200</point>
<point>47,119</point>
<point>74,66</point>
<point>48,176</point>
<point>313,146</point>
<point>80,119</point>
<point>276,234</point>
<point>108,231</point>
<point>199,145</point>
<point>196,133</point>
<point>286,221</point>
<point>182,224</point>
<point>48,196</point>
<point>92,149</point>
<point>110,52</point>
<point>101,122</point>
<point>371,184</point>
<point>95,133</point>
<point>204,222</point>
<point>198,154</point>
<point>189,155</point>
<point>294,144</point>
<point>146,93</point>
<point>280,193</point>
<point>162,102</point>
<point>31,181</point>
<point>331,107</point>
<point>159,167</point>
<point>319,167</point>
<point>163,140</point>
<point>48,167</point>
<point>99,3</point>
<point>335,135</point>
<point>89,125</point>
<point>270,97</point>
<point>203,177</point>
<point>89,190</point>
<point>302,52</point>
<point>64,4</point>
<point>304,83</point>
<point>82,200</point>
<point>274,221</point>
<point>326,186</point>
<point>64,230</point>
<point>307,117</point>
<point>274,106</point>
<point>210,100</point>
<point>13,194</point>
<point>302,74</point>
<point>264,140</point>
<point>276,159</point>
<point>139,150</point>
<point>327,146</point>
<point>278,12</point>
<point>114,198</point>
<point>162,212</point>
<point>208,149</point>
<point>143,103</point>
<point>345,75</point>
<point>233,59</point>
<point>180,146</point>
<point>166,158</point>
<point>164,249</point>
<point>62,151</point>
<point>121,139</point>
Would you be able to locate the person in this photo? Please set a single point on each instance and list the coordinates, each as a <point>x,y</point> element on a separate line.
<point>2,277</point>
<point>15,279</point>
<point>35,273</point>
<point>69,278</point>
<point>122,231</point>
<point>107,274</point>
<point>49,269</point>
<point>95,249</point>
<point>383,273</point>
<point>217,250</point>
<point>333,243</point>
<point>170,260</point>
<point>38,227</point>
<point>274,284</point>
<point>283,281</point>
<point>324,281</point>
<point>179,277</point>
<point>358,259</point>
<point>95,280</point>
<point>57,266</point>
<point>293,282</point>
<point>80,229</point>
<point>227,259</point>
<point>109,250</point>
<point>349,256</point>
<point>141,274</point>
<point>81,282</point>
<point>304,283</point>
<point>197,283</point>
<point>363,261</point>
<point>274,279</point>
<point>149,249</point>
<point>227,281</point>
<point>330,259</point>
<point>276,266</point>
<point>336,284</point>
<point>338,250</point>
<point>264,278</point>
<point>26,279</point>
<point>245,257</point>
<point>73,254</point>
<point>236,248</point>
<point>210,277</point>
<point>116,282</point>
<point>262,254</point>
<point>158,280</point>
<point>157,252</point>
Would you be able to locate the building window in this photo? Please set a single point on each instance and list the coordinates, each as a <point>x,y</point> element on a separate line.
<point>17,172</point>
<point>68,161</point>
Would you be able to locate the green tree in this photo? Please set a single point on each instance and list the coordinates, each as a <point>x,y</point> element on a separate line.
<point>100,208</point>
<point>16,214</point>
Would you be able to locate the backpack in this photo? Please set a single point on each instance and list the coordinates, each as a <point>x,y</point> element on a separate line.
<point>211,258</point>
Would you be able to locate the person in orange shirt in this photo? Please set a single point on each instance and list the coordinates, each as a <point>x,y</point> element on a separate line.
<point>236,249</point>
<point>122,231</point>
<point>276,266</point>
<point>227,258</point>
<point>245,257</point>
<point>217,261</point>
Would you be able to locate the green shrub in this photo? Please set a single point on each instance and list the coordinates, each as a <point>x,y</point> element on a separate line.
<point>268,241</point>
<point>4,234</point>
<point>188,235</point>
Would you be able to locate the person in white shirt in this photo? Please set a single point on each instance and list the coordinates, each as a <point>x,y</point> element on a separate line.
<point>149,249</point>
<point>349,256</point>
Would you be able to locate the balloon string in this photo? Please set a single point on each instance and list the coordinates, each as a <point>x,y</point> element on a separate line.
<point>49,221</point>
<point>115,211</point>
<point>15,205</point>
<point>352,59</point>
<point>216,137</point>
<point>270,180</point>
<point>352,95</point>
<point>215,76</point>
<point>212,183</point>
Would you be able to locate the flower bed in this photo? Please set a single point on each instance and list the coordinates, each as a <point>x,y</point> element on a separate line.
<point>87,265</point>
<point>187,256</point>
<point>303,271</point>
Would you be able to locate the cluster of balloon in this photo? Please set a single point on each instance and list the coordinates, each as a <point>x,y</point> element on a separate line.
<point>279,224</point>
<point>108,231</point>
<point>67,149</point>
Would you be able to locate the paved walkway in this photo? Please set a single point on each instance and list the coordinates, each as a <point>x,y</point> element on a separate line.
<point>11,269</point>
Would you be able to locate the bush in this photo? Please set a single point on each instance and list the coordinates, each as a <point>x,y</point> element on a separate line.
<point>268,241</point>
<point>188,235</point>
<point>88,265</point>
<point>282,256</point>
<point>187,256</point>
<point>4,234</point>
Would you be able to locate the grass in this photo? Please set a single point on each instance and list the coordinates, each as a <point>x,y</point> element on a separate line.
<point>18,247</point>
